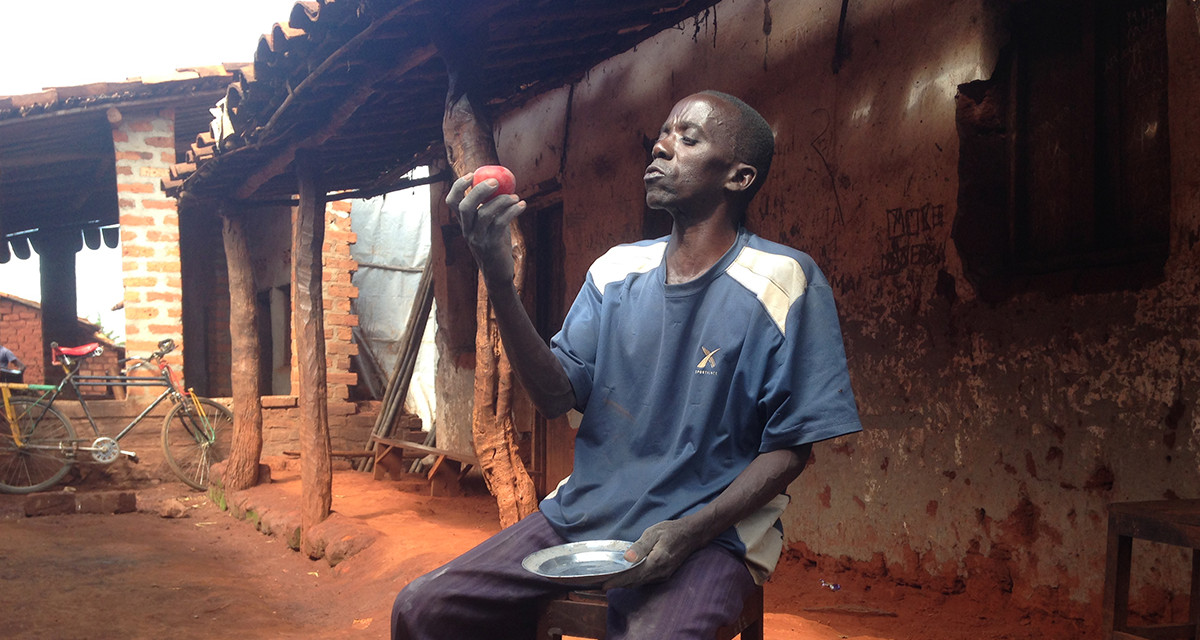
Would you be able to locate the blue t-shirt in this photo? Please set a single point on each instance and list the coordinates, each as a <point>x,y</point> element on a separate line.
<point>682,386</point>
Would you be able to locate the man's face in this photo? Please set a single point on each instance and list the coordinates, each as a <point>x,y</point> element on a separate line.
<point>693,158</point>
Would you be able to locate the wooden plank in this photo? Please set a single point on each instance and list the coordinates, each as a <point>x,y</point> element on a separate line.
<point>388,463</point>
<point>1175,522</point>
<point>582,614</point>
<point>1194,601</point>
<point>1115,606</point>
<point>444,477</point>
<point>335,454</point>
<point>425,450</point>
<point>1158,632</point>
<point>573,617</point>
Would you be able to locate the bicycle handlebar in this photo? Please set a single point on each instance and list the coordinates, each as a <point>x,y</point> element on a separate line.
<point>165,346</point>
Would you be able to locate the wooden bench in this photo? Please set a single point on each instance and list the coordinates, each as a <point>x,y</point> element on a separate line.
<point>350,455</point>
<point>1173,522</point>
<point>445,475</point>
<point>584,614</point>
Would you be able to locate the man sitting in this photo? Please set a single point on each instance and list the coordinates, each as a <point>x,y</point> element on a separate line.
<point>706,364</point>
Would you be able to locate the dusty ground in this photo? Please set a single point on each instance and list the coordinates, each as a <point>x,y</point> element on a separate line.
<point>209,574</point>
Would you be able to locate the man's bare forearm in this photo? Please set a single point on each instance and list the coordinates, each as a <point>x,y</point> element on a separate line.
<point>540,372</point>
<point>485,218</point>
<point>767,476</point>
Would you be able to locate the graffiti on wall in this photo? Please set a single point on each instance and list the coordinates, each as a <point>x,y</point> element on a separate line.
<point>912,237</point>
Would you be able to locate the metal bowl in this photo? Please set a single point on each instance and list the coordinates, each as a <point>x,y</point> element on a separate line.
<point>581,564</point>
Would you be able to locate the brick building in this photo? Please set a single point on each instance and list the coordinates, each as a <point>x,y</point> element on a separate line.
<point>21,332</point>
<point>90,163</point>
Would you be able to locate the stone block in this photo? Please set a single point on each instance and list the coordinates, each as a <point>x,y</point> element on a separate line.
<point>106,502</point>
<point>339,537</point>
<point>50,504</point>
<point>173,508</point>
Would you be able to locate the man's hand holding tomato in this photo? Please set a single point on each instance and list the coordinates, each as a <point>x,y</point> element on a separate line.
<point>486,204</point>
<point>505,180</point>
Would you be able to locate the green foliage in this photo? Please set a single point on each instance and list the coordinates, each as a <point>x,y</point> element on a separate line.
<point>107,333</point>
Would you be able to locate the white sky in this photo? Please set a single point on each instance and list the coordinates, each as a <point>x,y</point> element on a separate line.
<point>58,43</point>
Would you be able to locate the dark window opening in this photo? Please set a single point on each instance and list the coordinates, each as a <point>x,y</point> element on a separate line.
<point>1064,156</point>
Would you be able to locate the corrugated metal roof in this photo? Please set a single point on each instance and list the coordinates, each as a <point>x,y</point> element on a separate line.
<point>360,84</point>
<point>56,99</point>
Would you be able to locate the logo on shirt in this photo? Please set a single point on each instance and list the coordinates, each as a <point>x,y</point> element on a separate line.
<point>709,361</point>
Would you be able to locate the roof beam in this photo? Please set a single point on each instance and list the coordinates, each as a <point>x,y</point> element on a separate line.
<point>279,163</point>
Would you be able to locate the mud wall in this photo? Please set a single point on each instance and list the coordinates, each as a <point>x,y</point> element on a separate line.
<point>995,432</point>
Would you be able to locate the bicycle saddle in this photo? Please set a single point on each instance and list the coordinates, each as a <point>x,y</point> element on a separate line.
<point>82,351</point>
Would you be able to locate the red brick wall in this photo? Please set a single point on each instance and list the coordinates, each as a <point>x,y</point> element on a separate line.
<point>144,144</point>
<point>338,267</point>
<point>21,332</point>
<point>337,292</point>
<point>349,422</point>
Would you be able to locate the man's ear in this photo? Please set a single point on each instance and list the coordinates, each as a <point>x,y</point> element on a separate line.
<point>741,176</point>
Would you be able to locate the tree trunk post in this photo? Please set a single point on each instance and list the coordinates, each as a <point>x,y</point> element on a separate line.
<point>469,144</point>
<point>241,470</point>
<point>308,236</point>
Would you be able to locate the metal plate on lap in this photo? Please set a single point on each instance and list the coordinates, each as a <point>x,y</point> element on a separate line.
<point>581,564</point>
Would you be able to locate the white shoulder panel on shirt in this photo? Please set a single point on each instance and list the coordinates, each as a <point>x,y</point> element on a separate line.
<point>776,280</point>
<point>620,261</point>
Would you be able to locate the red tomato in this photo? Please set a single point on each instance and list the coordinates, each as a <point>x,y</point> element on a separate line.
<point>508,182</point>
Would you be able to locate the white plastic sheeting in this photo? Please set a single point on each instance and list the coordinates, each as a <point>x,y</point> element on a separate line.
<point>391,250</point>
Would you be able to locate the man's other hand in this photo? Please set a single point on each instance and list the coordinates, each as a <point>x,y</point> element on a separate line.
<point>665,546</point>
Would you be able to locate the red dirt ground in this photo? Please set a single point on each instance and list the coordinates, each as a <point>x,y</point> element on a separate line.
<point>211,575</point>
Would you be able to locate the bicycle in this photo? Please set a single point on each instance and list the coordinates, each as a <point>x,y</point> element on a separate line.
<point>38,444</point>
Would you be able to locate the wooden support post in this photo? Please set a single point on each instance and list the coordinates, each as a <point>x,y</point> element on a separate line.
<point>241,471</point>
<point>469,144</point>
<point>308,236</point>
<point>60,318</point>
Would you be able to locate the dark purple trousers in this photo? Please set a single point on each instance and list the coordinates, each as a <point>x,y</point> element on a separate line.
<point>486,594</point>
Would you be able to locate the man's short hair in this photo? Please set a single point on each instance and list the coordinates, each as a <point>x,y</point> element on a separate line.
<point>754,141</point>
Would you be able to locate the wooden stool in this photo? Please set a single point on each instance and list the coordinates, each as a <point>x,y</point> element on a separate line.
<point>1175,522</point>
<point>584,614</point>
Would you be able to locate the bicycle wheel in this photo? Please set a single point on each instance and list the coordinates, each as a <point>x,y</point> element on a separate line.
<point>191,445</point>
<point>46,451</point>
